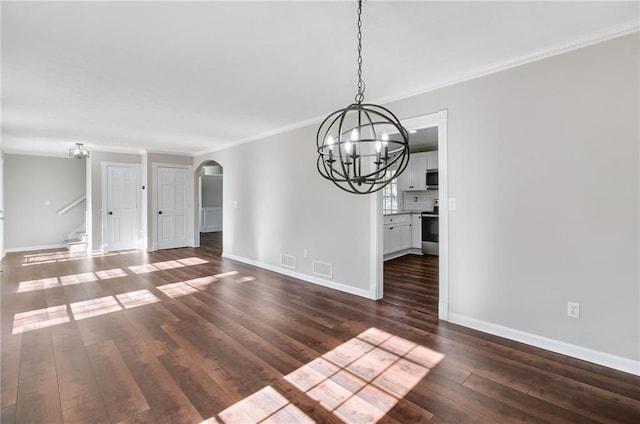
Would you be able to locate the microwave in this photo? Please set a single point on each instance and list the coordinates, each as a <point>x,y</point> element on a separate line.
<point>432,179</point>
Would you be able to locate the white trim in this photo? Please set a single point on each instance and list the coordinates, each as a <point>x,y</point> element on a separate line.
<point>304,277</point>
<point>376,249</point>
<point>601,358</point>
<point>32,248</point>
<point>154,202</point>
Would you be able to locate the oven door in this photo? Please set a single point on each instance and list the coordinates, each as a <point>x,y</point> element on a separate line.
<point>430,228</point>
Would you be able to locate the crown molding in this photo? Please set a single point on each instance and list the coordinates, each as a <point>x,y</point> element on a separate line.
<point>554,50</point>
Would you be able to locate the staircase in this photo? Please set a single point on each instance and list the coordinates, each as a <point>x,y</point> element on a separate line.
<point>77,241</point>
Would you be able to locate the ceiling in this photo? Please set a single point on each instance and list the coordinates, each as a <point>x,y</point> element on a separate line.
<point>191,77</point>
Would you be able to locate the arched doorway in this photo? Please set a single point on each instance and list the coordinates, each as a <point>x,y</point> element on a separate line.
<point>208,224</point>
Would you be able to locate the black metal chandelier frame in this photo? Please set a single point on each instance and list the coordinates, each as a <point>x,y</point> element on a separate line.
<point>359,145</point>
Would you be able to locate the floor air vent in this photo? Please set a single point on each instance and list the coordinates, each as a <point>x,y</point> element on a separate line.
<point>323,268</point>
<point>288,261</point>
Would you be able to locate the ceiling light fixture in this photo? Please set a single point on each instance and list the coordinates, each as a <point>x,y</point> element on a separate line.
<point>78,151</point>
<point>362,147</point>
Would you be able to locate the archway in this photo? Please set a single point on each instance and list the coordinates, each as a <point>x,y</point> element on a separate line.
<point>208,222</point>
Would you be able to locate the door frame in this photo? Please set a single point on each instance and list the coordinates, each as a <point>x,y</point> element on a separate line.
<point>439,120</point>
<point>154,199</point>
<point>104,165</point>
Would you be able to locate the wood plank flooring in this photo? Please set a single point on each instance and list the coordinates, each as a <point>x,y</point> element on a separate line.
<point>183,336</point>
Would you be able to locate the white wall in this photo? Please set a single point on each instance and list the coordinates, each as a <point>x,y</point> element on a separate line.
<point>544,162</point>
<point>29,182</point>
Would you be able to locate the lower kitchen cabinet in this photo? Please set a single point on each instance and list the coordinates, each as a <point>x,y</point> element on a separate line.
<point>397,233</point>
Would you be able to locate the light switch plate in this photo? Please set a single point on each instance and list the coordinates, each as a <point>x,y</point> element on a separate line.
<point>452,203</point>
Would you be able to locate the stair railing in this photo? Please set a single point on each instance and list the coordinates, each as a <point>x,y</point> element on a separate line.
<point>72,204</point>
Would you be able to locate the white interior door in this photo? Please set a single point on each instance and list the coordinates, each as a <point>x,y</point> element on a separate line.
<point>122,223</point>
<point>174,210</point>
<point>1,209</point>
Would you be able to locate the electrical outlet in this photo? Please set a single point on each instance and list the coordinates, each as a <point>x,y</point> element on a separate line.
<point>573,309</point>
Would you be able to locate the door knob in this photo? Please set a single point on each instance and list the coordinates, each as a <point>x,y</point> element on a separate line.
<point>110,213</point>
<point>159,212</point>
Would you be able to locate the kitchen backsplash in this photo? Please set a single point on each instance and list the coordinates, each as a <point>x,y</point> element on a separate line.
<point>419,200</point>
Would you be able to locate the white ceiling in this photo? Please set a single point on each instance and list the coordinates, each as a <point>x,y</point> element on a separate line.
<point>190,77</point>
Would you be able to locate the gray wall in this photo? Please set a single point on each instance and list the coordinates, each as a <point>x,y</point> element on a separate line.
<point>211,191</point>
<point>29,181</point>
<point>544,162</point>
<point>269,209</point>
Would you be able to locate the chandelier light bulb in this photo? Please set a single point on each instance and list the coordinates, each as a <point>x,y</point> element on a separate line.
<point>347,147</point>
<point>378,146</point>
<point>330,142</point>
<point>354,134</point>
<point>385,138</point>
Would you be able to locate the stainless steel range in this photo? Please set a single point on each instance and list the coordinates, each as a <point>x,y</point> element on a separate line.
<point>430,233</point>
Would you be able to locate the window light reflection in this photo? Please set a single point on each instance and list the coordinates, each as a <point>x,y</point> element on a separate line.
<point>266,405</point>
<point>94,307</point>
<point>41,318</point>
<point>69,280</point>
<point>184,288</point>
<point>363,378</point>
<point>359,381</point>
<point>136,298</point>
<point>33,285</point>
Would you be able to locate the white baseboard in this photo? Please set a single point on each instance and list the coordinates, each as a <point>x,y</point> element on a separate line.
<point>304,277</point>
<point>32,248</point>
<point>601,358</point>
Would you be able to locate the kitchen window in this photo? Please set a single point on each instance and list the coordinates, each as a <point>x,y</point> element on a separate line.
<point>390,194</point>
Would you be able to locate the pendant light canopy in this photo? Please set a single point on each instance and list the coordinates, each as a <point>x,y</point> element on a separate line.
<point>362,147</point>
<point>78,151</point>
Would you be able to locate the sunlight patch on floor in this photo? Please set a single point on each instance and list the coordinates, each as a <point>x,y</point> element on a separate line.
<point>34,285</point>
<point>184,288</point>
<point>68,280</point>
<point>94,307</point>
<point>41,318</point>
<point>359,381</point>
<point>64,256</point>
<point>136,298</point>
<point>264,406</point>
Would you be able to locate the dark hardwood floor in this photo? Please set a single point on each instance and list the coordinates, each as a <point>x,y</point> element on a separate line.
<point>183,336</point>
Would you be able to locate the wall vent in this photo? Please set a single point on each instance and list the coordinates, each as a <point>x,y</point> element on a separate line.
<point>288,261</point>
<point>324,269</point>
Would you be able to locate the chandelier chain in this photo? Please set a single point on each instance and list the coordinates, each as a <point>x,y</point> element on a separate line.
<point>360,96</point>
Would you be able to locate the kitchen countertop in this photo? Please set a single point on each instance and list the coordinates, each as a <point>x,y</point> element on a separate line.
<point>410,212</point>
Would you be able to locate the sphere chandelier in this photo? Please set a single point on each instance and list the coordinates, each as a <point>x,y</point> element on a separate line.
<point>363,147</point>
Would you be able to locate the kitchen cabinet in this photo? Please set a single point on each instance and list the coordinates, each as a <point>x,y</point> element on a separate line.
<point>397,234</point>
<point>432,160</point>
<point>416,231</point>
<point>413,178</point>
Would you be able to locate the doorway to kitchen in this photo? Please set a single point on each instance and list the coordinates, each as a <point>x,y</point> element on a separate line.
<point>412,232</point>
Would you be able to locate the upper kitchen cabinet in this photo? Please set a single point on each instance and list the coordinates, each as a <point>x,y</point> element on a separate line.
<point>432,160</point>
<point>414,177</point>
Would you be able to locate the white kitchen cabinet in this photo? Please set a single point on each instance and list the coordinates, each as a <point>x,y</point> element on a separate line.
<point>414,177</point>
<point>397,233</point>
<point>416,231</point>
<point>432,160</point>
